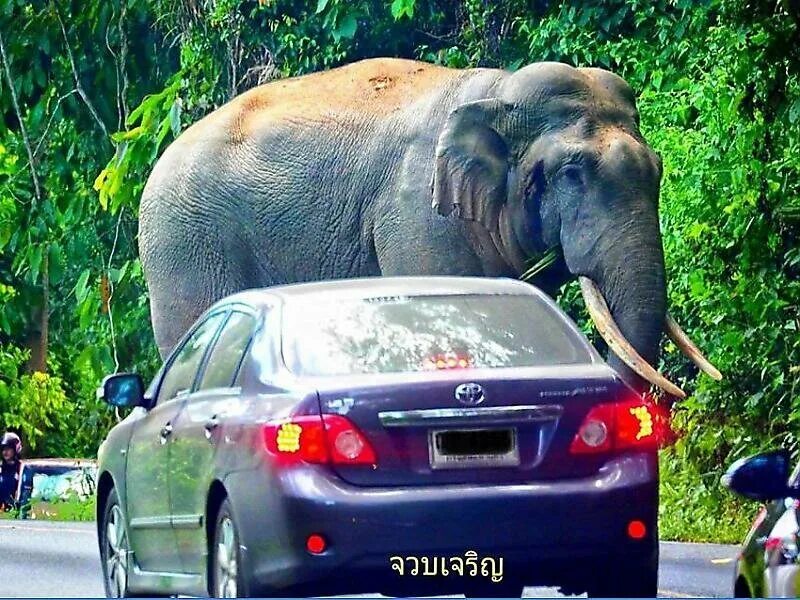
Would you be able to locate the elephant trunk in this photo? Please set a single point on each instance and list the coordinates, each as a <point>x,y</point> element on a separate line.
<point>625,358</point>
<point>633,327</point>
<point>623,283</point>
<point>633,285</point>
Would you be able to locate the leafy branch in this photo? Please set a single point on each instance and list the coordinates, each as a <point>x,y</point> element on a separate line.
<point>76,76</point>
<point>22,129</point>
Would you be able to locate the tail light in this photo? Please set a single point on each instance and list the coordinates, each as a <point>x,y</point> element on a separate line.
<point>637,423</point>
<point>318,439</point>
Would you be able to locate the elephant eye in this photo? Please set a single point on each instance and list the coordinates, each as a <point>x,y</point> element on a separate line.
<point>571,174</point>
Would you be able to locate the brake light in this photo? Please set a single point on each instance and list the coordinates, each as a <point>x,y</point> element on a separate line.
<point>447,361</point>
<point>637,423</point>
<point>318,439</point>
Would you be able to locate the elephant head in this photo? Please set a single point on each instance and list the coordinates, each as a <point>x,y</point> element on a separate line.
<point>555,159</point>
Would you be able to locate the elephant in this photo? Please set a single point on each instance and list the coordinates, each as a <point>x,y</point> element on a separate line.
<point>397,167</point>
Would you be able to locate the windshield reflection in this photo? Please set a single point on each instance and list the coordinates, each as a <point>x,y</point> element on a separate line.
<point>408,334</point>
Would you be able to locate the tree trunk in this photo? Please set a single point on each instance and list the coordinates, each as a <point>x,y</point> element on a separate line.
<point>37,342</point>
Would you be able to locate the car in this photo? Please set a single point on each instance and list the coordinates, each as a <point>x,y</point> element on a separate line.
<point>400,435</point>
<point>45,481</point>
<point>768,565</point>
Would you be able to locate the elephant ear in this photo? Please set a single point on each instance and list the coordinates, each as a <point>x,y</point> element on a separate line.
<point>472,163</point>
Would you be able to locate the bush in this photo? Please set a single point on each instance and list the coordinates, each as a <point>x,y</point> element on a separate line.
<point>32,404</point>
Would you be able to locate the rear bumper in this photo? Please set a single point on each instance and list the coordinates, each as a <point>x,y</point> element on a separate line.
<point>536,528</point>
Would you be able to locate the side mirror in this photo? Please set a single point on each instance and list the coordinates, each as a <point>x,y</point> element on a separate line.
<point>123,390</point>
<point>761,477</point>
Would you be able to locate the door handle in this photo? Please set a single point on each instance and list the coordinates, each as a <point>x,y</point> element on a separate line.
<point>166,431</point>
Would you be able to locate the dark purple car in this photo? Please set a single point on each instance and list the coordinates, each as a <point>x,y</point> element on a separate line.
<point>393,435</point>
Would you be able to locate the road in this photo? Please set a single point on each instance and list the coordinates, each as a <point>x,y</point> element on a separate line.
<point>42,559</point>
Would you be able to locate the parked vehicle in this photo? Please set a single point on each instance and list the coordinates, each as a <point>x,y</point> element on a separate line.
<point>769,563</point>
<point>395,435</point>
<point>44,482</point>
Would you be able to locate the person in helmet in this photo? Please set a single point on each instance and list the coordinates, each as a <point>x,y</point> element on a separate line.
<point>10,450</point>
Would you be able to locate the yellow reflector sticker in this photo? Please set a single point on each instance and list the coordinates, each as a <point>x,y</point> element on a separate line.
<point>645,421</point>
<point>288,437</point>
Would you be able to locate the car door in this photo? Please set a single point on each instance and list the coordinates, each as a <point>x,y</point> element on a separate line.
<point>147,467</point>
<point>199,432</point>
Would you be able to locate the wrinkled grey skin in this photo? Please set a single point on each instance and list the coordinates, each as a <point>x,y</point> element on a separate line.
<point>391,167</point>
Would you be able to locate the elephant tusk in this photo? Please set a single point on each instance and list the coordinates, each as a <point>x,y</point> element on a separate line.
<point>608,329</point>
<point>688,347</point>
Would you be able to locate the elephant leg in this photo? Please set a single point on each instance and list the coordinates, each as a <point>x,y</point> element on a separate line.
<point>175,302</point>
<point>184,282</point>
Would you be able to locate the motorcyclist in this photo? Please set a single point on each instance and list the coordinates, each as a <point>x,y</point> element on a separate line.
<point>10,451</point>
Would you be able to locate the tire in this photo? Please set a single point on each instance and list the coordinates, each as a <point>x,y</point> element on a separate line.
<point>627,579</point>
<point>225,572</point>
<point>114,549</point>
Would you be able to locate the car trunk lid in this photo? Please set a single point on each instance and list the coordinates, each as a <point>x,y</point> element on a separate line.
<point>470,426</point>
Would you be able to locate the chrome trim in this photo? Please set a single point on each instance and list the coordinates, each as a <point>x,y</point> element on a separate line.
<point>165,581</point>
<point>187,521</point>
<point>151,523</point>
<point>470,416</point>
<point>159,574</point>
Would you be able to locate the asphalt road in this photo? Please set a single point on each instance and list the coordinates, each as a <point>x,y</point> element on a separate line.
<point>43,559</point>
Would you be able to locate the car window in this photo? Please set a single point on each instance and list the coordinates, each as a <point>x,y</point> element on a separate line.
<point>417,333</point>
<point>228,350</point>
<point>52,482</point>
<point>49,486</point>
<point>181,372</point>
<point>265,350</point>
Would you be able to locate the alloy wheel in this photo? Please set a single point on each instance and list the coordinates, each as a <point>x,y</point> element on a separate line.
<point>117,552</point>
<point>227,566</point>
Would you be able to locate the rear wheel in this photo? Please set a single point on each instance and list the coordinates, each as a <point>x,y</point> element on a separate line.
<point>226,573</point>
<point>114,549</point>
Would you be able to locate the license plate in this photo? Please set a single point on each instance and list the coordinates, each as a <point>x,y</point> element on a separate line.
<point>470,448</point>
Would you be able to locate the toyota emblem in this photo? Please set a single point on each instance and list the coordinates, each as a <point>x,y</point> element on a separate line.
<point>469,394</point>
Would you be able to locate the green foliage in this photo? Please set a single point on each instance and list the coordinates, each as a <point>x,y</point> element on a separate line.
<point>70,508</point>
<point>692,508</point>
<point>403,8</point>
<point>31,404</point>
<point>71,86</point>
<point>718,96</point>
<point>73,508</point>
<point>158,116</point>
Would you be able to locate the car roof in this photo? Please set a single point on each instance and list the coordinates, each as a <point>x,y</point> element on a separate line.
<point>59,462</point>
<point>371,287</point>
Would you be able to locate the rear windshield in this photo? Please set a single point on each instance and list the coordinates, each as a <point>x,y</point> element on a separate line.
<point>418,333</point>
